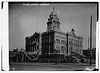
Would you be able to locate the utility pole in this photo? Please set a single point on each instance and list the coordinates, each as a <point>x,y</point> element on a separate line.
<point>88,43</point>
<point>91,41</point>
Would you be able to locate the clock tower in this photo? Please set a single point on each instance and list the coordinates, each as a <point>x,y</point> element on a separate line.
<point>53,21</point>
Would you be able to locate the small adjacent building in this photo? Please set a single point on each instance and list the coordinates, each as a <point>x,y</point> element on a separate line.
<point>33,43</point>
<point>74,43</point>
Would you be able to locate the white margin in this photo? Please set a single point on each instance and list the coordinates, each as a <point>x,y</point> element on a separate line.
<point>5,33</point>
<point>5,38</point>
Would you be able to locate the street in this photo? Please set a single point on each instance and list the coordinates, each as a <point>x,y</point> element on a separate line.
<point>50,66</point>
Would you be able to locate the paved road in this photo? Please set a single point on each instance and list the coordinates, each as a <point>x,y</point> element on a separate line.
<point>49,66</point>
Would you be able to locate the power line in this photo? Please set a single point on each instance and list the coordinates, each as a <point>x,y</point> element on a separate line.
<point>21,14</point>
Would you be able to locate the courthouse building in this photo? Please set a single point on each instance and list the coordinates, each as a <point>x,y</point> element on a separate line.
<point>53,40</point>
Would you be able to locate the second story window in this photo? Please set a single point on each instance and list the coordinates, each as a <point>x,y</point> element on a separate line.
<point>58,40</point>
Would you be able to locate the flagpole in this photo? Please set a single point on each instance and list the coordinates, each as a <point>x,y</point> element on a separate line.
<point>91,41</point>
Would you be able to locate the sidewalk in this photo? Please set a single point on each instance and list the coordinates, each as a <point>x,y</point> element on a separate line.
<point>50,66</point>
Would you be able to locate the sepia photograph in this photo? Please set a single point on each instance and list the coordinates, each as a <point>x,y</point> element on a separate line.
<point>52,36</point>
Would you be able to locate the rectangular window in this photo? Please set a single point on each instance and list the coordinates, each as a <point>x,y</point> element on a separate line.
<point>58,36</point>
<point>58,40</point>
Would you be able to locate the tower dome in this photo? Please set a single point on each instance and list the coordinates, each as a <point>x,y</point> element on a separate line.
<point>53,13</point>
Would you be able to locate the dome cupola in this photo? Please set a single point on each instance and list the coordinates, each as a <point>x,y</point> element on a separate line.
<point>53,14</point>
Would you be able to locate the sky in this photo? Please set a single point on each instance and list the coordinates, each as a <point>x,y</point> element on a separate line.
<point>26,18</point>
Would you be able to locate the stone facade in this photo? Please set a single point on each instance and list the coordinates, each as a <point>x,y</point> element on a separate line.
<point>60,42</point>
<point>47,42</point>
